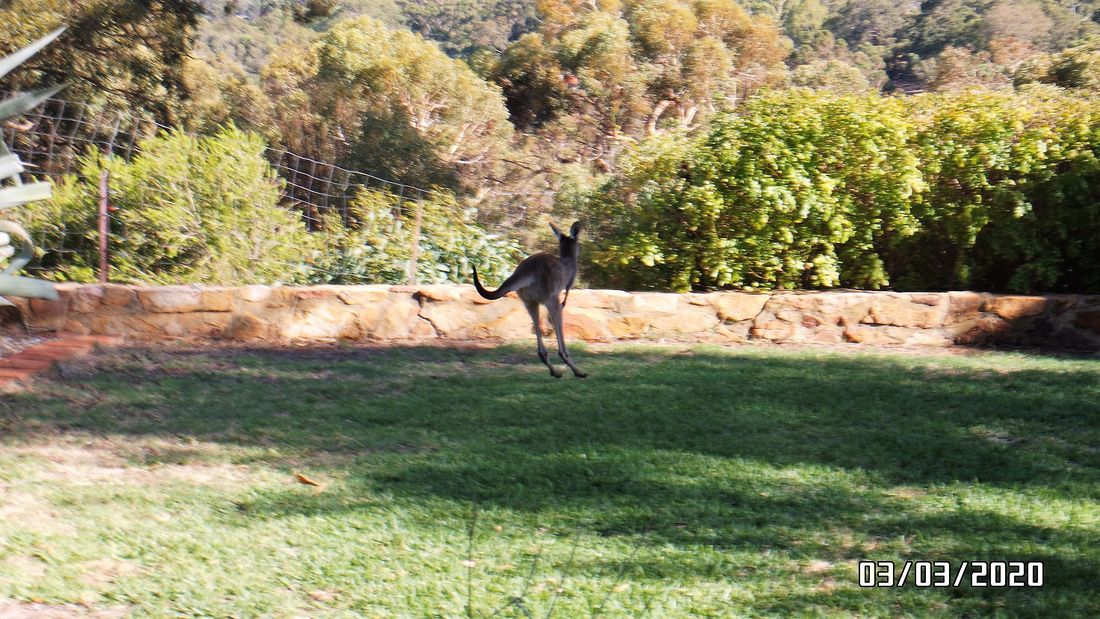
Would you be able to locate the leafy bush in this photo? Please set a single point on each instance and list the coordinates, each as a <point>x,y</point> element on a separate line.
<point>799,190</point>
<point>994,191</point>
<point>1013,199</point>
<point>194,210</point>
<point>374,244</point>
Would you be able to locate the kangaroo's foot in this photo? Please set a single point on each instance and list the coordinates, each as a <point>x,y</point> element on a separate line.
<point>569,361</point>
<point>545,358</point>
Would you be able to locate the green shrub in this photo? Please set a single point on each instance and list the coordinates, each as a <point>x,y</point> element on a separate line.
<point>1014,193</point>
<point>981,190</point>
<point>375,243</point>
<point>189,210</point>
<point>799,190</point>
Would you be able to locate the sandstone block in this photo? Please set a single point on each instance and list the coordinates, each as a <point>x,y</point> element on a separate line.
<point>254,294</point>
<point>585,324</point>
<point>690,320</point>
<point>395,317</point>
<point>192,325</point>
<point>74,325</point>
<point>628,327</point>
<point>772,329</point>
<point>789,315</point>
<point>316,292</point>
<point>45,312</point>
<point>900,311</point>
<point>700,299</point>
<point>737,306</point>
<point>987,329</point>
<point>883,335</point>
<point>217,299</point>
<point>601,299</point>
<point>505,318</point>
<point>115,295</point>
<point>422,329</point>
<point>827,336</point>
<point>320,315</point>
<point>86,299</point>
<point>439,292</point>
<point>245,327</point>
<point>1014,308</point>
<point>657,302</point>
<point>963,306</point>
<point>734,332</point>
<point>170,299</point>
<point>362,295</point>
<point>1088,319</point>
<point>1071,339</point>
<point>926,299</point>
<point>826,308</point>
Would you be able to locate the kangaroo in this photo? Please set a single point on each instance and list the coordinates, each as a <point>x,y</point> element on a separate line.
<point>541,279</point>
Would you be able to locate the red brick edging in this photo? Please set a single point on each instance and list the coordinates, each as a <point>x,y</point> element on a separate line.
<point>18,369</point>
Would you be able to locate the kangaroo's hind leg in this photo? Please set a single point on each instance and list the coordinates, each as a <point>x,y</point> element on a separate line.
<point>555,310</point>
<point>533,309</point>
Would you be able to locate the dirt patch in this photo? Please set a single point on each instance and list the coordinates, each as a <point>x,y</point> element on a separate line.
<point>18,610</point>
<point>23,565</point>
<point>21,506</point>
<point>102,572</point>
<point>158,461</point>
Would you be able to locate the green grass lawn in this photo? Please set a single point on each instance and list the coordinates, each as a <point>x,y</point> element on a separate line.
<point>674,482</point>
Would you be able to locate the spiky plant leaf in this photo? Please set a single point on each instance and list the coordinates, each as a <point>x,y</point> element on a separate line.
<point>21,194</point>
<point>14,60</point>
<point>23,103</point>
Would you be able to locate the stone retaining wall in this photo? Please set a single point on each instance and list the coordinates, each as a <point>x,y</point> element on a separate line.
<point>277,314</point>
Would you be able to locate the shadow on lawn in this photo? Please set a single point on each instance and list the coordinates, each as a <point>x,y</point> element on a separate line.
<point>694,450</point>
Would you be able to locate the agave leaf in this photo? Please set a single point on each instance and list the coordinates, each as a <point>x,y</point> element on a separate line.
<point>10,62</point>
<point>14,286</point>
<point>10,166</point>
<point>23,103</point>
<point>21,194</point>
<point>26,252</point>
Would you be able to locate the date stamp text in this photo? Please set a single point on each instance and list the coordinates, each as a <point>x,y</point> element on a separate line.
<point>946,574</point>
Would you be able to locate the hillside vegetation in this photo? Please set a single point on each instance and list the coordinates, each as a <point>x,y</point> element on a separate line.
<point>518,112</point>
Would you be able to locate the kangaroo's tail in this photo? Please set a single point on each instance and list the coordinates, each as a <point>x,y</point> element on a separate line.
<point>514,282</point>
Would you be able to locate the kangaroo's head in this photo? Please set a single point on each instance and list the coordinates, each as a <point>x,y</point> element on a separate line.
<point>570,248</point>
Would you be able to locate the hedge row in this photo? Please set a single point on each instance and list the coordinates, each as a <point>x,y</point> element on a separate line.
<point>997,191</point>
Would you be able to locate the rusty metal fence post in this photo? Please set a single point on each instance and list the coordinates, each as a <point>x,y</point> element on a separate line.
<point>104,265</point>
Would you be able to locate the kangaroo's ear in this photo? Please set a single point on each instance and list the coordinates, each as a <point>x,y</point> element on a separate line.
<point>575,230</point>
<point>557,232</point>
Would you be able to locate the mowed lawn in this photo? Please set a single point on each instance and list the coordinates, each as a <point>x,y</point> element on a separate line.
<point>455,482</point>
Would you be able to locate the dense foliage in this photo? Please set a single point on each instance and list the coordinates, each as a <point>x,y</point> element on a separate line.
<point>374,244</point>
<point>977,190</point>
<point>114,52</point>
<point>202,210</point>
<point>207,210</point>
<point>643,115</point>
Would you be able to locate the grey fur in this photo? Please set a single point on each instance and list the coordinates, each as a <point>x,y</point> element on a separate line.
<point>540,280</point>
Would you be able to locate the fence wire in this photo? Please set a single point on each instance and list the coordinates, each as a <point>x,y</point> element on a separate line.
<point>52,138</point>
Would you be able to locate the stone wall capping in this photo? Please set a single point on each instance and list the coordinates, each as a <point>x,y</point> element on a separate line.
<point>436,311</point>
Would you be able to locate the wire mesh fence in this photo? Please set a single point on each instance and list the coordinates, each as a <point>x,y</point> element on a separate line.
<point>53,138</point>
